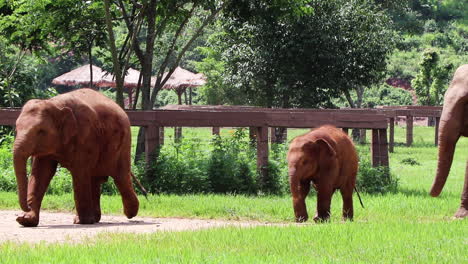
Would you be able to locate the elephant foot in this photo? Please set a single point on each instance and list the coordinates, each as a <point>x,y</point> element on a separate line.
<point>97,217</point>
<point>302,218</point>
<point>461,213</point>
<point>82,220</point>
<point>321,219</point>
<point>28,219</point>
<point>131,207</point>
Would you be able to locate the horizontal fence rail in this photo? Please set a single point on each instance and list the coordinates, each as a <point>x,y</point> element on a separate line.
<point>259,120</point>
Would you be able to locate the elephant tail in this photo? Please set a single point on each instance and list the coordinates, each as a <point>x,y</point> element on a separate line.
<point>359,196</point>
<point>140,186</point>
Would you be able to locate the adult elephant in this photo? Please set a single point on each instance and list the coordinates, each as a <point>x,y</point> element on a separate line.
<point>453,124</point>
<point>85,132</point>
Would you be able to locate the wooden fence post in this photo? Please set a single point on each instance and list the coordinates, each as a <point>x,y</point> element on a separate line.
<point>345,130</point>
<point>379,148</point>
<point>391,135</point>
<point>151,143</point>
<point>409,130</point>
<point>362,136</point>
<point>262,154</point>
<point>177,134</point>
<point>273,135</point>
<point>375,148</point>
<point>436,136</point>
<point>161,135</point>
<point>215,130</point>
<point>383,147</point>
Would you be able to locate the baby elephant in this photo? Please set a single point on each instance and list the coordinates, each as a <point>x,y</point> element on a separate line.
<point>326,158</point>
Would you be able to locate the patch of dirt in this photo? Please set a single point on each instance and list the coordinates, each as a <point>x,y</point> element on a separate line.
<point>59,227</point>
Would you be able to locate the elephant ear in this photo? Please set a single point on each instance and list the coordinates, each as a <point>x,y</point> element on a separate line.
<point>326,149</point>
<point>319,147</point>
<point>68,124</point>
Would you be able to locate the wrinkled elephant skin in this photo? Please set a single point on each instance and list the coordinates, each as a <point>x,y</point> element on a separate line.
<point>325,158</point>
<point>453,124</point>
<point>83,131</point>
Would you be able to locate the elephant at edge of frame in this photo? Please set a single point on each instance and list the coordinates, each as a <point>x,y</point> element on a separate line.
<point>453,124</point>
<point>326,159</point>
<point>83,131</point>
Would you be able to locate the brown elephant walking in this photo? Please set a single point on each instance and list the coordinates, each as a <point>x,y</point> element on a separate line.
<point>85,132</point>
<point>453,124</point>
<point>327,159</point>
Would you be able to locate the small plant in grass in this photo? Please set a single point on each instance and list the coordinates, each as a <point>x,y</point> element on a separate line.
<point>375,180</point>
<point>410,161</point>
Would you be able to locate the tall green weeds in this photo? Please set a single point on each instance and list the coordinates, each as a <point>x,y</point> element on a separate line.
<point>224,165</point>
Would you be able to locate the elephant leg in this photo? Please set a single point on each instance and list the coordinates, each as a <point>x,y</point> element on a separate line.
<point>96,195</point>
<point>324,196</point>
<point>129,198</point>
<point>463,210</point>
<point>347,195</point>
<point>43,169</point>
<point>299,191</point>
<point>82,188</point>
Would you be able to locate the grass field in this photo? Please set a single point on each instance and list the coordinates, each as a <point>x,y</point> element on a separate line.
<point>404,227</point>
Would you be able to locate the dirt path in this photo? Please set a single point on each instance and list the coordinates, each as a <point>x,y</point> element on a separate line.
<point>58,227</point>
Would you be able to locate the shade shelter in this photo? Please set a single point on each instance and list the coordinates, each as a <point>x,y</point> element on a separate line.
<point>182,79</point>
<point>81,76</point>
<point>132,80</point>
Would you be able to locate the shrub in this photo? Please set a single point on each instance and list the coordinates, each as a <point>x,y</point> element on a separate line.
<point>228,165</point>
<point>179,169</point>
<point>410,161</point>
<point>375,180</point>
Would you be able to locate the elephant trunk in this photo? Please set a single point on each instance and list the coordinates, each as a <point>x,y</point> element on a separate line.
<point>445,157</point>
<point>19,159</point>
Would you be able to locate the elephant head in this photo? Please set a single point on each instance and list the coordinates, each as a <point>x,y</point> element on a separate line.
<point>307,156</point>
<point>41,129</point>
<point>453,124</point>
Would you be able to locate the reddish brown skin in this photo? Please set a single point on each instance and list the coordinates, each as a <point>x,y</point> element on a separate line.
<point>326,159</point>
<point>453,125</point>
<point>83,131</point>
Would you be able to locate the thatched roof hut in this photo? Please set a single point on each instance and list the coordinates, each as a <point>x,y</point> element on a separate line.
<point>182,79</point>
<point>82,76</point>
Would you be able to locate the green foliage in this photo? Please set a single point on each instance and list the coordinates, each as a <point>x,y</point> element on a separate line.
<point>225,165</point>
<point>380,95</point>
<point>231,165</point>
<point>410,161</point>
<point>279,55</point>
<point>375,180</point>
<point>431,81</point>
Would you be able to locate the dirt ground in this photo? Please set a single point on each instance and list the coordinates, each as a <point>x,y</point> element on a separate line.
<point>59,227</point>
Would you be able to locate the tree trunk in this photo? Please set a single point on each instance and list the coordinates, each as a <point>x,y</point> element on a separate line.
<point>115,60</point>
<point>90,49</point>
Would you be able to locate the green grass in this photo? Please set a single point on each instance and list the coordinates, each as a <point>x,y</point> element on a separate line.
<point>328,243</point>
<point>404,227</point>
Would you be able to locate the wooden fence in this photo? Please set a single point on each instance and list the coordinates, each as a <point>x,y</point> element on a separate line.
<point>258,120</point>
<point>390,112</point>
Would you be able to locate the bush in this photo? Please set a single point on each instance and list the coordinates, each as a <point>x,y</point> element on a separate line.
<point>228,165</point>
<point>375,180</point>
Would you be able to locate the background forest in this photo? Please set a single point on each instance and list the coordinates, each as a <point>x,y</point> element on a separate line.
<point>281,54</point>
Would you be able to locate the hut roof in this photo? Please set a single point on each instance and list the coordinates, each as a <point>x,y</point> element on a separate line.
<point>182,78</point>
<point>82,76</point>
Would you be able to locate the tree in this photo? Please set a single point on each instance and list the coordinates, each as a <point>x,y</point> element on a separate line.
<point>162,26</point>
<point>306,52</point>
<point>431,81</point>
